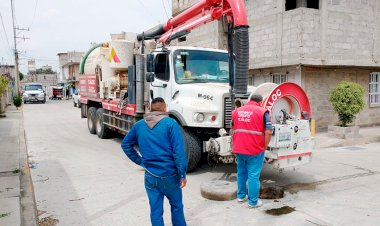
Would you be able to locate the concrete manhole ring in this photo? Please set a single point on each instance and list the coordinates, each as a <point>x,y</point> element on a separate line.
<point>219,190</point>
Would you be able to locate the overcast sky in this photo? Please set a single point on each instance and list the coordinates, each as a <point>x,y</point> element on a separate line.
<point>68,25</point>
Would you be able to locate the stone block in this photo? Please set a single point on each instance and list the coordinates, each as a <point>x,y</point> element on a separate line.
<point>349,132</point>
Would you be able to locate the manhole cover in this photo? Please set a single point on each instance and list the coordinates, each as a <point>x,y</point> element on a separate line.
<point>218,190</point>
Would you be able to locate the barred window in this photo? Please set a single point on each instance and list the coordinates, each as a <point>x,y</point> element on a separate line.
<point>374,94</point>
<point>279,78</point>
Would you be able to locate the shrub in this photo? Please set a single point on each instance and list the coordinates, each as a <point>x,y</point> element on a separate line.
<point>3,83</point>
<point>347,99</point>
<point>17,101</point>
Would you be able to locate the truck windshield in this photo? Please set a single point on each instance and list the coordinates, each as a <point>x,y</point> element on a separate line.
<point>199,66</point>
<point>33,87</point>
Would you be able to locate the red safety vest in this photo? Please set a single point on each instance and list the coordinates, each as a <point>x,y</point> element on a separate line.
<point>248,129</point>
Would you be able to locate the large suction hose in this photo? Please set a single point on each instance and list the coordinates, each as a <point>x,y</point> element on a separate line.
<point>81,67</point>
<point>242,59</point>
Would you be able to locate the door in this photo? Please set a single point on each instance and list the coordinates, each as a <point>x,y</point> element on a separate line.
<point>161,87</point>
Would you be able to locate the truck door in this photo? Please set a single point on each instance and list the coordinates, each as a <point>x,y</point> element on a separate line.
<point>161,87</point>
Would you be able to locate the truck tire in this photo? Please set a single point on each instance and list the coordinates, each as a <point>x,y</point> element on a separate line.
<point>193,149</point>
<point>101,130</point>
<point>91,120</point>
<point>83,111</point>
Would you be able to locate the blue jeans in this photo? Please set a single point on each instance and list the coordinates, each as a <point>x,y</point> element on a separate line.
<point>249,168</point>
<point>157,188</point>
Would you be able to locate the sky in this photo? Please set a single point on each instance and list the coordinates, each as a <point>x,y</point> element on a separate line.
<point>71,25</point>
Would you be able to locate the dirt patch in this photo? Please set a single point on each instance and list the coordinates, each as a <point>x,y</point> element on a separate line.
<point>271,193</point>
<point>294,188</point>
<point>280,211</point>
<point>48,221</point>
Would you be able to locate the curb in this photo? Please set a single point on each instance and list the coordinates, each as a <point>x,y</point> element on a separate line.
<point>28,206</point>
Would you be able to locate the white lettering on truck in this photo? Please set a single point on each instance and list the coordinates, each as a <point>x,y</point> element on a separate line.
<point>275,96</point>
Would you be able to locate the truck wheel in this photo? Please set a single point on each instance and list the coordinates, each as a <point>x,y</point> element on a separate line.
<point>83,111</point>
<point>101,129</point>
<point>193,149</point>
<point>91,120</point>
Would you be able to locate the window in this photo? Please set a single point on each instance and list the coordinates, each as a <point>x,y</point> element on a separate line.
<point>279,78</point>
<point>293,4</point>
<point>199,66</point>
<point>251,80</point>
<point>374,94</point>
<point>161,68</point>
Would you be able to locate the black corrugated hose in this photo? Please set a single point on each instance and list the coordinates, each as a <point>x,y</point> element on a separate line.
<point>242,59</point>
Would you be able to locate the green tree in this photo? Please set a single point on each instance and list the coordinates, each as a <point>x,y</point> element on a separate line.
<point>21,76</point>
<point>44,71</point>
<point>347,99</point>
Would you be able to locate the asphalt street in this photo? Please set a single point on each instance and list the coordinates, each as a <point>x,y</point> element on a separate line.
<point>80,179</point>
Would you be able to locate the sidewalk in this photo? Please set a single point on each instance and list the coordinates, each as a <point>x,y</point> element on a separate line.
<point>17,204</point>
<point>367,135</point>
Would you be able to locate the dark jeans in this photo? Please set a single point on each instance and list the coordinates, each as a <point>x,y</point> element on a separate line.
<point>157,188</point>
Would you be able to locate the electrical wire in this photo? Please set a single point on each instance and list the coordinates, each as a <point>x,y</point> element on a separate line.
<point>163,4</point>
<point>5,31</point>
<point>146,8</point>
<point>34,14</point>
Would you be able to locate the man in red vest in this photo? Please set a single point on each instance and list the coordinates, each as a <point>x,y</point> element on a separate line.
<point>252,131</point>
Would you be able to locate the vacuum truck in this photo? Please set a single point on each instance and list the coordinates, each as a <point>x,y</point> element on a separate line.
<point>201,87</point>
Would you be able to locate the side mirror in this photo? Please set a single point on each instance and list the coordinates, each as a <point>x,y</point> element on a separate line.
<point>150,77</point>
<point>150,63</point>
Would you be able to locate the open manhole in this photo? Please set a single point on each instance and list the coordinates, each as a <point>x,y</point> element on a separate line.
<point>280,211</point>
<point>271,193</point>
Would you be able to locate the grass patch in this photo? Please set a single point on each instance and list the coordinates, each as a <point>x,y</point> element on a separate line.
<point>15,171</point>
<point>4,215</point>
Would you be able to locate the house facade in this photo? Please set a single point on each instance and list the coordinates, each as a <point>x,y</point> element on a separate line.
<point>315,44</point>
<point>69,65</point>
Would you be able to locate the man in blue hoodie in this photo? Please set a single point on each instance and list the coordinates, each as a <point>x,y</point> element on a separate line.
<point>162,156</point>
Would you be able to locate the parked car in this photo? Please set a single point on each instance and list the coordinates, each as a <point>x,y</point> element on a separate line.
<point>76,97</point>
<point>34,92</point>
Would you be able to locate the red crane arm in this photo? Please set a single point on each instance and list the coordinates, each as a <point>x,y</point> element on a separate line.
<point>204,12</point>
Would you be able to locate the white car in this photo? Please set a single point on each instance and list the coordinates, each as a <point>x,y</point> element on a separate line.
<point>34,92</point>
<point>76,97</point>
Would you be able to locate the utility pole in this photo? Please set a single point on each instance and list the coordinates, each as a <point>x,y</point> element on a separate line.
<point>16,52</point>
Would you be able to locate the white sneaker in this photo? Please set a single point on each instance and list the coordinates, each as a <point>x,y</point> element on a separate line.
<point>242,200</point>
<point>258,204</point>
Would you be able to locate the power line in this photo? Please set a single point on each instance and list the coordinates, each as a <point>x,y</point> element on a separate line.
<point>146,8</point>
<point>34,14</point>
<point>5,31</point>
<point>163,4</point>
<point>169,6</point>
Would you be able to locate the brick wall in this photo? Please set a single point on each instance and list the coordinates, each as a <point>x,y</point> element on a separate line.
<point>340,32</point>
<point>317,83</point>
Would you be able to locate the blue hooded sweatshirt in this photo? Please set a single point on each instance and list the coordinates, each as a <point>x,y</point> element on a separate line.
<point>160,143</point>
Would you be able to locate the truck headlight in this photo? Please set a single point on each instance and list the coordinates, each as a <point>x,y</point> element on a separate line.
<point>41,94</point>
<point>25,95</point>
<point>199,117</point>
